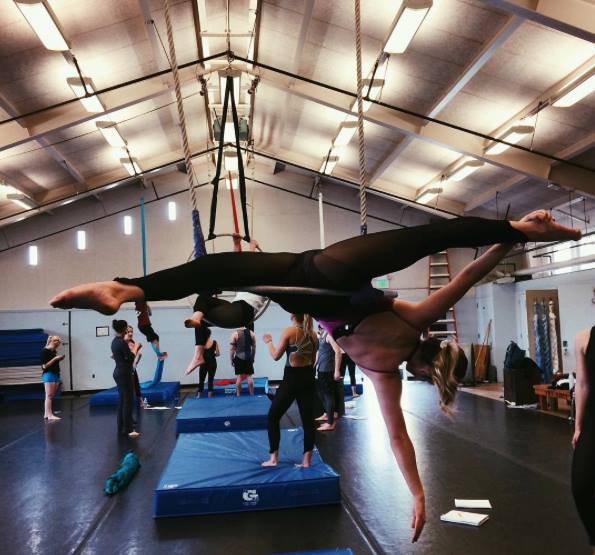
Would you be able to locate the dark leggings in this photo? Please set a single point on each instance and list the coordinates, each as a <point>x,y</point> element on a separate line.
<point>298,385</point>
<point>326,381</point>
<point>347,265</point>
<point>348,364</point>
<point>222,313</point>
<point>207,369</point>
<point>124,381</point>
<point>583,476</point>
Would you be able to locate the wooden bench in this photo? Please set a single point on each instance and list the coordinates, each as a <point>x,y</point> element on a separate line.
<point>548,398</point>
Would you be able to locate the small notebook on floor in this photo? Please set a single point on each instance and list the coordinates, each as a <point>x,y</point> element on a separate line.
<point>462,517</point>
<point>473,504</point>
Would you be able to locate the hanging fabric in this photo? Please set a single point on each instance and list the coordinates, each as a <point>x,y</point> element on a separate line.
<point>553,332</point>
<point>538,340</point>
<point>545,338</point>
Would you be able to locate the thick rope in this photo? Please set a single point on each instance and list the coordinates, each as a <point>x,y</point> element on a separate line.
<point>180,106</point>
<point>363,176</point>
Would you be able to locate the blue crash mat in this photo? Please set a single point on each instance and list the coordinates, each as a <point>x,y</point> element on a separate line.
<point>223,414</point>
<point>261,387</point>
<point>221,473</point>
<point>163,392</point>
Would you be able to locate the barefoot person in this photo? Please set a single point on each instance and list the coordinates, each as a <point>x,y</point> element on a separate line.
<point>208,368</point>
<point>583,440</point>
<point>299,344</point>
<point>328,366</point>
<point>50,367</point>
<point>242,350</point>
<point>377,332</point>
<point>124,359</point>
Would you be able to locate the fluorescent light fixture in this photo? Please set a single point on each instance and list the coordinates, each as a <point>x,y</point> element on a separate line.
<point>120,153</point>
<point>33,255</point>
<point>43,24</point>
<point>131,165</point>
<point>428,195</point>
<point>576,92</point>
<point>465,170</point>
<point>230,161</point>
<point>81,240</point>
<point>22,200</point>
<point>409,19</point>
<point>375,89</point>
<point>172,212</point>
<point>329,165</point>
<point>127,225</point>
<point>90,103</point>
<point>337,151</point>
<point>233,181</point>
<point>68,201</point>
<point>110,133</point>
<point>236,75</point>
<point>345,133</point>
<point>513,135</point>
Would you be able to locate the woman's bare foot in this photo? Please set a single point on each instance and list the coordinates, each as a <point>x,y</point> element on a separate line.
<point>321,418</point>
<point>326,427</point>
<point>52,417</point>
<point>103,296</point>
<point>273,460</point>
<point>541,226</point>
<point>133,434</point>
<point>306,461</point>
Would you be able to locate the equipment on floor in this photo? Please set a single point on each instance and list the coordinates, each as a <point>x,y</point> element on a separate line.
<point>228,387</point>
<point>124,474</point>
<point>162,393</point>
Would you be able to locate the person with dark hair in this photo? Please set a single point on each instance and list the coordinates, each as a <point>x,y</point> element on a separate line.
<point>242,350</point>
<point>328,365</point>
<point>377,332</point>
<point>124,359</point>
<point>143,315</point>
<point>299,344</point>
<point>583,440</point>
<point>50,374</point>
<point>135,347</point>
<point>208,368</point>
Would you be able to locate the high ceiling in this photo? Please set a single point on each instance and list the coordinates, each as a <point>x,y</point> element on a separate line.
<point>478,66</point>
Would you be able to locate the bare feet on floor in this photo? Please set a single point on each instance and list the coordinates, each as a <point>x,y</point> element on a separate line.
<point>52,417</point>
<point>273,461</point>
<point>321,418</point>
<point>103,296</point>
<point>326,427</point>
<point>133,435</point>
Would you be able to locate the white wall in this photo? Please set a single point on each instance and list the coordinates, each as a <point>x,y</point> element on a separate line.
<point>281,222</point>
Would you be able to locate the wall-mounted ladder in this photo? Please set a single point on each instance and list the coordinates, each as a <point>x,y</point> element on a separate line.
<point>439,276</point>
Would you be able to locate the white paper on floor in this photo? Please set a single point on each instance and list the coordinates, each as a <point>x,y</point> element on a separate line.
<point>462,517</point>
<point>473,504</point>
<point>157,408</point>
<point>353,417</point>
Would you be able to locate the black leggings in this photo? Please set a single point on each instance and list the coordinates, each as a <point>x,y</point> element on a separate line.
<point>583,476</point>
<point>326,380</point>
<point>347,265</point>
<point>298,385</point>
<point>223,313</point>
<point>348,364</point>
<point>124,381</point>
<point>204,370</point>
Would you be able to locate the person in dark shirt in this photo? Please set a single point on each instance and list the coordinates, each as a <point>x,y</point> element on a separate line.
<point>124,359</point>
<point>50,367</point>
<point>207,369</point>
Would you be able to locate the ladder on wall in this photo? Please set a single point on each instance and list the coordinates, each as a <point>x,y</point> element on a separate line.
<point>439,276</point>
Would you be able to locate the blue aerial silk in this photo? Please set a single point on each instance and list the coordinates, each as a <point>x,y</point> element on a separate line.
<point>127,469</point>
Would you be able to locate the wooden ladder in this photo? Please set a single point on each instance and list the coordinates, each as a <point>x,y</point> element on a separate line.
<point>439,276</point>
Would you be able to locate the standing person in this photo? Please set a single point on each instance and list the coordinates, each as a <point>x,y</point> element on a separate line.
<point>299,343</point>
<point>379,333</point>
<point>124,359</point>
<point>132,345</point>
<point>242,351</point>
<point>583,440</point>
<point>50,367</point>
<point>349,365</point>
<point>328,365</point>
<point>208,368</point>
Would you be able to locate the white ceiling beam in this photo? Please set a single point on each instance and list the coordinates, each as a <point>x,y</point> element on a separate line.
<point>527,163</point>
<point>573,17</point>
<point>468,73</point>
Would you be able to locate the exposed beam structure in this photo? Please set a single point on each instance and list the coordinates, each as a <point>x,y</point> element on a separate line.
<point>573,17</point>
<point>468,73</point>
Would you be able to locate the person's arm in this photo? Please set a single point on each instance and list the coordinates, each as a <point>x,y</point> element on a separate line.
<point>233,344</point>
<point>426,312</point>
<point>388,389</point>
<point>581,387</point>
<point>338,356</point>
<point>277,352</point>
<point>253,336</point>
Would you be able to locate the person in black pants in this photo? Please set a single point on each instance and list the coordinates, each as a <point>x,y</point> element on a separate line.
<point>379,333</point>
<point>123,376</point>
<point>328,365</point>
<point>348,365</point>
<point>299,343</point>
<point>583,440</point>
<point>207,369</point>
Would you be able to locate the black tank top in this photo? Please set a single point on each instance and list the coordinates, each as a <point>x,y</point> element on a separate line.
<point>590,368</point>
<point>209,354</point>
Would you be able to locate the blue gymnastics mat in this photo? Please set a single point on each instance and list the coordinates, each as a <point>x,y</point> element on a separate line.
<point>163,392</point>
<point>221,473</point>
<point>261,387</point>
<point>223,414</point>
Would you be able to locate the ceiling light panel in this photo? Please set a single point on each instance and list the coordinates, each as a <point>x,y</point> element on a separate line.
<point>43,24</point>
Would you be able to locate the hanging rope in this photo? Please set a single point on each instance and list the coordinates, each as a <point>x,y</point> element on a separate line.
<point>363,177</point>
